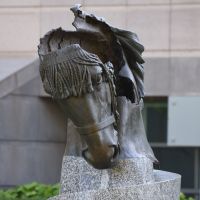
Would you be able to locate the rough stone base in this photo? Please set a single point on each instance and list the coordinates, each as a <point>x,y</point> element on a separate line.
<point>77,175</point>
<point>132,179</point>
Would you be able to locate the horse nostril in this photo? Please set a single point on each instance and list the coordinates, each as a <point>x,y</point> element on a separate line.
<point>104,161</point>
<point>116,150</point>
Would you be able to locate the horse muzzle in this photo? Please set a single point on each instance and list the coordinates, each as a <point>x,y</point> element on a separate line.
<point>102,141</point>
<point>103,157</point>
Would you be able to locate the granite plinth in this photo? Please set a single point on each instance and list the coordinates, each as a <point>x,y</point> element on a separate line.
<point>78,176</point>
<point>131,179</point>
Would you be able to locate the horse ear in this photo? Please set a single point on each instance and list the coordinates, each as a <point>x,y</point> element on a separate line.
<point>76,9</point>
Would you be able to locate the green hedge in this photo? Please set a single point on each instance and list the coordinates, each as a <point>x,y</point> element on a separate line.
<point>32,191</point>
<point>36,191</point>
<point>183,197</point>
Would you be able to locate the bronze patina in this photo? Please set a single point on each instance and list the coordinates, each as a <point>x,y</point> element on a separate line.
<point>96,75</point>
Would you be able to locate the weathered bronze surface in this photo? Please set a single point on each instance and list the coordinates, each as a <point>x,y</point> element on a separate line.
<point>96,75</point>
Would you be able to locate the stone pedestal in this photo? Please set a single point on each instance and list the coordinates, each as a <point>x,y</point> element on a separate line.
<point>131,179</point>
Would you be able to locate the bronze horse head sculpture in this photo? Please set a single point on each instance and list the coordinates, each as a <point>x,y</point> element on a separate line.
<point>95,74</point>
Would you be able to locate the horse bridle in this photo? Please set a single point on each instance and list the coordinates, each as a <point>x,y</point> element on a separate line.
<point>113,119</point>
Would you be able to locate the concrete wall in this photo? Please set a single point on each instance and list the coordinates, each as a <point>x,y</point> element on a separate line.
<point>164,26</point>
<point>172,76</point>
<point>32,139</point>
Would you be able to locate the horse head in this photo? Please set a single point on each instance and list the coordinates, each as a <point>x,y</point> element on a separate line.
<point>83,86</point>
<point>84,71</point>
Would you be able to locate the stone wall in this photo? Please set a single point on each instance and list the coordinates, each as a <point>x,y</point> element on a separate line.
<point>163,25</point>
<point>32,139</point>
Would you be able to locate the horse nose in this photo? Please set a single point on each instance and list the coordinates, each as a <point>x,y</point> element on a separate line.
<point>103,157</point>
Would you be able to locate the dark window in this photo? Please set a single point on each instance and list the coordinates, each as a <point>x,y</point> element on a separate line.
<point>178,160</point>
<point>155,119</point>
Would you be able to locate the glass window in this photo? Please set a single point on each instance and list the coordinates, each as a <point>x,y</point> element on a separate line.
<point>178,160</point>
<point>155,119</point>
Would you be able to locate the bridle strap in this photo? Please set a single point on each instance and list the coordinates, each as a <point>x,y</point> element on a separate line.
<point>90,129</point>
<point>109,72</point>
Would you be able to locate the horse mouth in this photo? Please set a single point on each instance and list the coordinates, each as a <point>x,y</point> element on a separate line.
<point>106,161</point>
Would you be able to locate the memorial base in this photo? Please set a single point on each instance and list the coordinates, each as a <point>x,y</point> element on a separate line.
<point>131,179</point>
